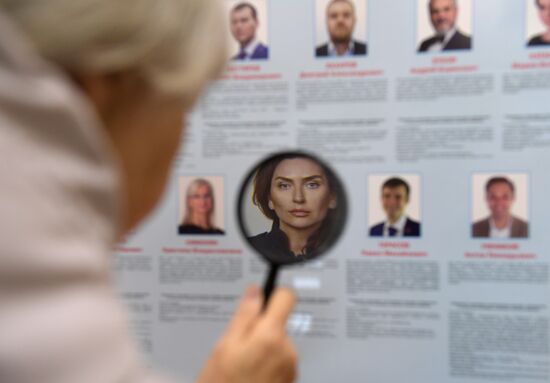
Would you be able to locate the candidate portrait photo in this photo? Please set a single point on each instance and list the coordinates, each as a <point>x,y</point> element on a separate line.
<point>248,27</point>
<point>394,205</point>
<point>538,23</point>
<point>201,205</point>
<point>341,29</point>
<point>444,25</point>
<point>500,206</point>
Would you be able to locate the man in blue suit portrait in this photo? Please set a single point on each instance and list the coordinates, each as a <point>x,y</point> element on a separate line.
<point>395,195</point>
<point>244,24</point>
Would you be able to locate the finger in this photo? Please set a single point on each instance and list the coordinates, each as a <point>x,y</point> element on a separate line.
<point>280,306</point>
<point>289,369</point>
<point>246,314</point>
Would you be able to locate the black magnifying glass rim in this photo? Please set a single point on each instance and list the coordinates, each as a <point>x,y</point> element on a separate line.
<point>247,180</point>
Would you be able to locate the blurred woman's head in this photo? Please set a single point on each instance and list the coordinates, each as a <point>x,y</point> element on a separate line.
<point>172,45</point>
<point>141,63</point>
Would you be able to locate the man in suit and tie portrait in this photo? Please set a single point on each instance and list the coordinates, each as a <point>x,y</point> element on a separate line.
<point>443,15</point>
<point>244,25</point>
<point>340,20</point>
<point>500,196</point>
<point>395,196</point>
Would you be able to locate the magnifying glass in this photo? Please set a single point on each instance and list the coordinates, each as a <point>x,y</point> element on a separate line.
<point>292,208</point>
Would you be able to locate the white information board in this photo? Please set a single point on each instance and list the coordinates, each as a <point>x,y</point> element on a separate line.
<point>447,303</point>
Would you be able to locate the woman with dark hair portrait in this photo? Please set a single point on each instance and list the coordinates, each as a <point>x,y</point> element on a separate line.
<point>543,7</point>
<point>199,202</point>
<point>306,203</point>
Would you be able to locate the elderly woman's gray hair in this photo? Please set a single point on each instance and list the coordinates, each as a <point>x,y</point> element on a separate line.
<point>175,45</point>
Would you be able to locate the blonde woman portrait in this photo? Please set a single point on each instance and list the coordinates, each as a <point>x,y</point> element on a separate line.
<point>199,209</point>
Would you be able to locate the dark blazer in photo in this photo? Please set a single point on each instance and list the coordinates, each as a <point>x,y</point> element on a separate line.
<point>537,41</point>
<point>359,49</point>
<point>261,52</point>
<point>457,42</point>
<point>482,229</point>
<point>411,229</point>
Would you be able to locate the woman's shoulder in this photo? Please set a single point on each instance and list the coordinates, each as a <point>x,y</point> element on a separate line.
<point>259,238</point>
<point>273,246</point>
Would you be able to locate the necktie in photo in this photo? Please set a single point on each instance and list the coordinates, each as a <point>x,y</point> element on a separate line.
<point>392,231</point>
<point>242,55</point>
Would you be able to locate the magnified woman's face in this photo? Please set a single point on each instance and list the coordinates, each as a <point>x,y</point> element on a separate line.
<point>201,200</point>
<point>300,194</point>
<point>544,12</point>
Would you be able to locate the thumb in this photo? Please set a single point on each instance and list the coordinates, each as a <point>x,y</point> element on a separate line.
<point>246,314</point>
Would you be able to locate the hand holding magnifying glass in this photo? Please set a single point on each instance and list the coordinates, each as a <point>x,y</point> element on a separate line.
<point>305,202</point>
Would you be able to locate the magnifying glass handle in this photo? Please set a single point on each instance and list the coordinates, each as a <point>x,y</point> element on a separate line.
<point>270,283</point>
